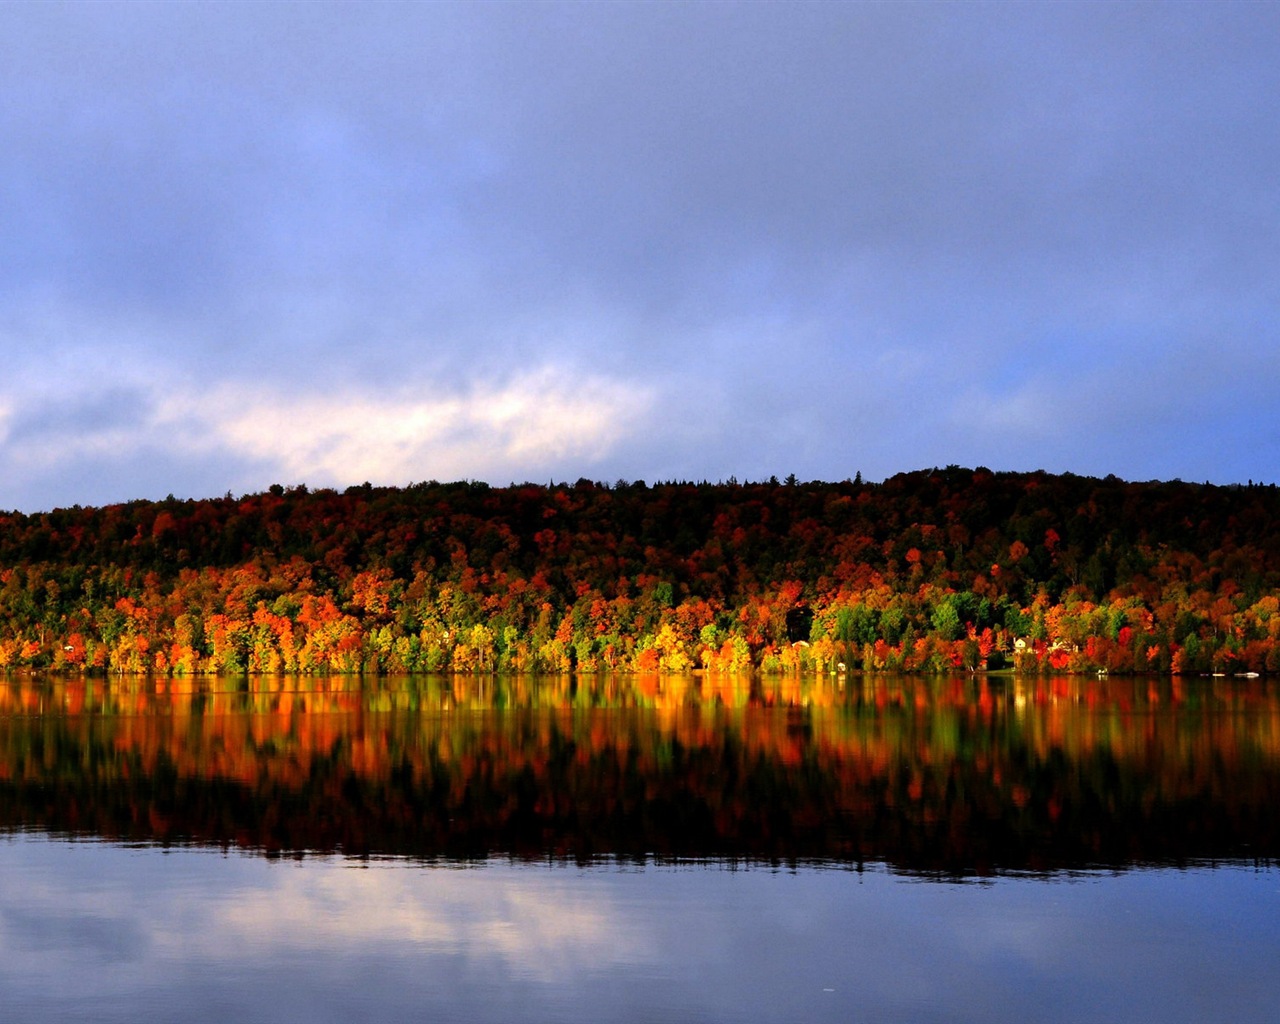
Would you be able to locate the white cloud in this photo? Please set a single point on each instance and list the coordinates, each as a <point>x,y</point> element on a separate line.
<point>519,428</point>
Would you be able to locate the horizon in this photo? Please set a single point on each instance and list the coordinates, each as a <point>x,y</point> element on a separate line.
<point>858,479</point>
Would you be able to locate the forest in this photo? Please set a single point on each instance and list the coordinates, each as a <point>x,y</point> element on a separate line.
<point>930,571</point>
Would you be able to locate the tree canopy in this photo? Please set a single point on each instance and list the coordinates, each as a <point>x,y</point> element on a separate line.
<point>929,570</point>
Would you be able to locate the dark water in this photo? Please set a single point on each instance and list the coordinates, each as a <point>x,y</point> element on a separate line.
<point>649,850</point>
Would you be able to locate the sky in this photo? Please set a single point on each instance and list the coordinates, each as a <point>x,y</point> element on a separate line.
<point>246,244</point>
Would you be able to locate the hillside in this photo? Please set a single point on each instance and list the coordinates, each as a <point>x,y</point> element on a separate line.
<point>930,570</point>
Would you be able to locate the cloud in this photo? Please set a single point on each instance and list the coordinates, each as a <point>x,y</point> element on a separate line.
<point>531,422</point>
<point>807,234</point>
<point>535,422</point>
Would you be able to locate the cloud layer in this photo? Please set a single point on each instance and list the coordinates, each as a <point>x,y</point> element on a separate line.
<point>394,242</point>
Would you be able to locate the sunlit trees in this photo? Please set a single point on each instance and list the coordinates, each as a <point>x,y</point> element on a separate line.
<point>928,571</point>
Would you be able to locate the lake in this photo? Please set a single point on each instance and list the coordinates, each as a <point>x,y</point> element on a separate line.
<point>649,849</point>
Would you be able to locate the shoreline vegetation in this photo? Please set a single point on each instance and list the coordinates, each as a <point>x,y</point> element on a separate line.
<point>932,571</point>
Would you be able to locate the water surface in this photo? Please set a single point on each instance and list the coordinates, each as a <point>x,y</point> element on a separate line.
<point>659,850</point>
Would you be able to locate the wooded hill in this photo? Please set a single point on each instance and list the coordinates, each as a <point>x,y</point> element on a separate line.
<point>927,571</point>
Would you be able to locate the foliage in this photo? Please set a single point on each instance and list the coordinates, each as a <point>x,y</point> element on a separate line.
<point>928,571</point>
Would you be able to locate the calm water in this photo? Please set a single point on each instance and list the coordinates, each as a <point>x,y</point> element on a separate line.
<point>648,850</point>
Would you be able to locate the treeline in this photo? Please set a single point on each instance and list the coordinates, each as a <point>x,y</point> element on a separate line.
<point>927,571</point>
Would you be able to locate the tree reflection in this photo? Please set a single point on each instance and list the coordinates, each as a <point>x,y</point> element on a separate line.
<point>955,775</point>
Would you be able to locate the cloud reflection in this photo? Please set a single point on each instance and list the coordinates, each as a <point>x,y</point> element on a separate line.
<point>540,926</point>
<point>204,936</point>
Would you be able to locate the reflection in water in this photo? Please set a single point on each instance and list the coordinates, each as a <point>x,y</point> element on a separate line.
<point>522,850</point>
<point>91,931</point>
<point>956,776</point>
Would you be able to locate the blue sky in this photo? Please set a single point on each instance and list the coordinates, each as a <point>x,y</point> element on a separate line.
<point>251,243</point>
